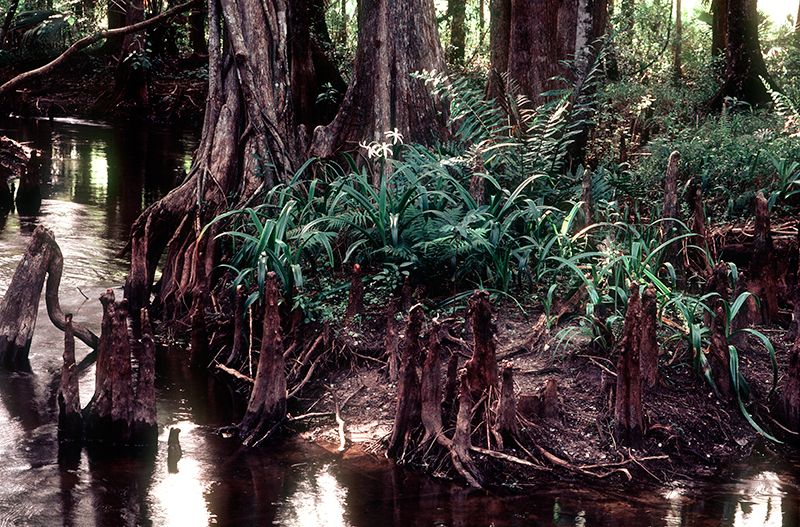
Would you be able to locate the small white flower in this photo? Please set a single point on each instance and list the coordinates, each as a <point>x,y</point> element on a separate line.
<point>395,135</point>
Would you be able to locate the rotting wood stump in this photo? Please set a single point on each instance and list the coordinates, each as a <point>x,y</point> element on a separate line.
<point>408,413</point>
<point>122,410</point>
<point>628,405</point>
<point>762,281</point>
<point>669,214</point>
<point>20,305</point>
<point>266,409</point>
<point>482,373</point>
<point>70,420</point>
<point>18,161</point>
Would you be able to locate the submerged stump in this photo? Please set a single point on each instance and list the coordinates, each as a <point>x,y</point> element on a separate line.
<point>70,420</point>
<point>122,411</point>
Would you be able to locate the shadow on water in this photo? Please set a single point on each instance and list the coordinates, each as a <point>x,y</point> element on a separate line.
<point>96,181</point>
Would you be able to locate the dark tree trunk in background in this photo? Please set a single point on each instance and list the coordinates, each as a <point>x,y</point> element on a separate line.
<point>133,69</point>
<point>499,43</point>
<point>745,63</point>
<point>12,11</point>
<point>719,27</point>
<point>267,407</point>
<point>316,15</point>
<point>197,30</point>
<point>116,18</point>
<point>457,11</point>
<point>396,38</point>
<point>250,142</point>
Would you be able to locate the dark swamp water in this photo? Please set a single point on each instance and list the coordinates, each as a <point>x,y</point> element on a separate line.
<point>96,180</point>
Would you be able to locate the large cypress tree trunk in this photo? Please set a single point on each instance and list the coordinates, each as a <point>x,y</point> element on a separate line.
<point>396,39</point>
<point>745,63</point>
<point>719,27</point>
<point>250,142</point>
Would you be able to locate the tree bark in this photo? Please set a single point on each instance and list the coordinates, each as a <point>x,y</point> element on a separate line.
<point>267,406</point>
<point>408,413</point>
<point>763,281</point>
<point>395,39</point>
<point>144,422</point>
<point>745,63</point>
<point>696,253</point>
<point>457,11</point>
<point>122,410</point>
<point>668,228</point>
<point>499,46</point>
<point>789,403</point>
<point>70,421</point>
<point>505,426</point>
<point>534,50</point>
<point>355,299</point>
<point>431,388</point>
<point>133,69</point>
<point>482,371</point>
<point>250,142</point>
<point>648,344</point>
<point>719,27</point>
<point>676,51</point>
<point>628,406</point>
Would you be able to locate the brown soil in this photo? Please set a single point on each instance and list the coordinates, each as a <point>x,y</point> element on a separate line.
<point>84,88</point>
<point>689,433</point>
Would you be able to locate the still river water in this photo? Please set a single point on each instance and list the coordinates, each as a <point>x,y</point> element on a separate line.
<point>96,180</point>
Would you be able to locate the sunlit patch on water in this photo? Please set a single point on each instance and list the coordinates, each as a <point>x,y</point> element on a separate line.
<point>179,497</point>
<point>319,499</point>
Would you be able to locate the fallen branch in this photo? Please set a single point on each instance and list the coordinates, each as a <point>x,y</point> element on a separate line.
<point>235,373</point>
<point>509,458</point>
<point>91,39</point>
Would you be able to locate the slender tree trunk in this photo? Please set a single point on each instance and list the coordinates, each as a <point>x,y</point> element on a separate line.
<point>396,38</point>
<point>676,51</point>
<point>197,30</point>
<point>499,45</point>
<point>457,11</point>
<point>133,70</point>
